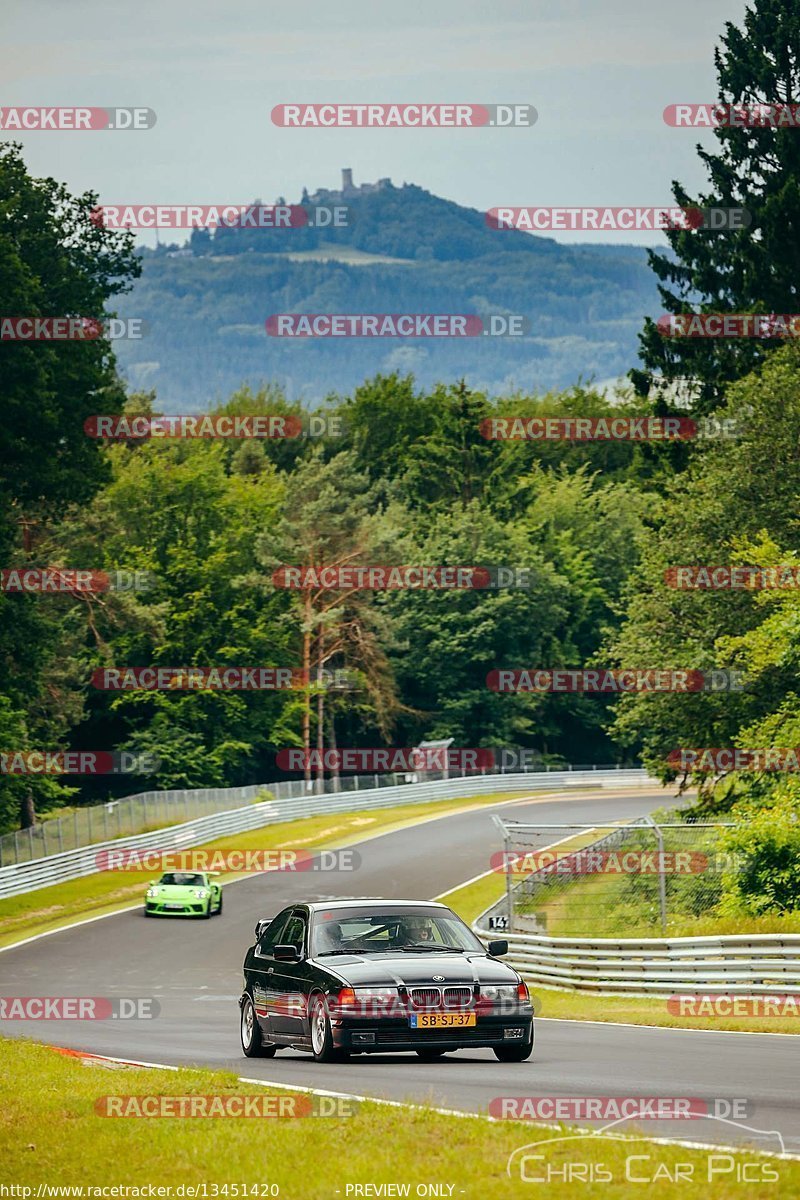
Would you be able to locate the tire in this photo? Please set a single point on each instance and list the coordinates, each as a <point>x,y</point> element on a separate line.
<point>430,1053</point>
<point>250,1033</point>
<point>219,910</point>
<point>514,1053</point>
<point>319,1023</point>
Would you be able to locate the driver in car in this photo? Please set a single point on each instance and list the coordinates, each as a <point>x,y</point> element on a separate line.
<point>414,931</point>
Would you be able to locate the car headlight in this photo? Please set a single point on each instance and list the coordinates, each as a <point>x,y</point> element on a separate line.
<point>152,891</point>
<point>367,1001</point>
<point>499,991</point>
<point>380,995</point>
<point>201,893</point>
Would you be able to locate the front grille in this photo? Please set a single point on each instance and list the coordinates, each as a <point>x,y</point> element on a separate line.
<point>457,997</point>
<point>426,997</point>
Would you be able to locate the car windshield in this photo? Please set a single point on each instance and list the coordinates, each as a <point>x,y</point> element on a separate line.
<point>374,930</point>
<point>182,879</point>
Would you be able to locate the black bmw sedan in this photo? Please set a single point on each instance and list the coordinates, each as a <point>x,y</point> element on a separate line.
<point>360,976</point>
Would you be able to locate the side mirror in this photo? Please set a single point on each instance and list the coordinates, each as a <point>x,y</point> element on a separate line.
<point>261,926</point>
<point>152,883</point>
<point>497,948</point>
<point>286,954</point>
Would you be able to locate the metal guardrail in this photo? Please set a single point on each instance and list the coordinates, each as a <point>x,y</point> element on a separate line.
<point>146,811</point>
<point>72,864</point>
<point>735,964</point>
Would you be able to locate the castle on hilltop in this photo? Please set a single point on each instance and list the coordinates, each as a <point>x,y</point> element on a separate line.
<point>348,189</point>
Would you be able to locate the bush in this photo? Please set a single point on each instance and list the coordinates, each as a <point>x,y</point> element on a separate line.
<point>766,842</point>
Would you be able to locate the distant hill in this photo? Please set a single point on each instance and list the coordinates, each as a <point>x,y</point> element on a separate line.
<point>406,251</point>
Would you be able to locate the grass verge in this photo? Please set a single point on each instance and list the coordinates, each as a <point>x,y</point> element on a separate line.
<point>50,1133</point>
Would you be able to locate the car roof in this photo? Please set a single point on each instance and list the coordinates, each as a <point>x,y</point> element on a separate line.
<point>325,905</point>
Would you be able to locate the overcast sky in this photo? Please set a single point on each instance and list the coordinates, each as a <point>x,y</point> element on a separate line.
<point>599,72</point>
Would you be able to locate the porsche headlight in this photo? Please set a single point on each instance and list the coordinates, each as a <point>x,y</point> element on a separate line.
<point>201,893</point>
<point>153,891</point>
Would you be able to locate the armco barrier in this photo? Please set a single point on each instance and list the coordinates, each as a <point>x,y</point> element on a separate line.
<point>736,964</point>
<point>42,872</point>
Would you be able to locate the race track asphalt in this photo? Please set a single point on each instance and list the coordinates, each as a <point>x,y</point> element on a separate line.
<point>193,969</point>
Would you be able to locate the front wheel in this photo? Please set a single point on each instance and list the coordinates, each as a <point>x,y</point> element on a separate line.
<point>250,1030</point>
<point>321,1033</point>
<point>219,910</point>
<point>515,1053</point>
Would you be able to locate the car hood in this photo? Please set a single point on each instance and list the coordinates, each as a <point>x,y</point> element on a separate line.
<point>415,970</point>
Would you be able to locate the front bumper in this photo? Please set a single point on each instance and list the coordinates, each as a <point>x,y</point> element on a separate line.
<point>160,908</point>
<point>395,1033</point>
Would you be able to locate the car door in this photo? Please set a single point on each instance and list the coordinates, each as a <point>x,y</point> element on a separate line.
<point>287,1014</point>
<point>264,979</point>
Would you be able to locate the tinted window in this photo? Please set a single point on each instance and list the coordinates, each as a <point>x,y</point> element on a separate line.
<point>183,879</point>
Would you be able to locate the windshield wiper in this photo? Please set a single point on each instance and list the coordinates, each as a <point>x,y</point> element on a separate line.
<point>328,953</point>
<point>432,948</point>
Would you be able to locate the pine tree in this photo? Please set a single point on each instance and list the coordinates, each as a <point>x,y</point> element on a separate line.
<point>756,269</point>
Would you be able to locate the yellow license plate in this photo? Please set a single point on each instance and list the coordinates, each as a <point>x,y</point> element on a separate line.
<point>442,1020</point>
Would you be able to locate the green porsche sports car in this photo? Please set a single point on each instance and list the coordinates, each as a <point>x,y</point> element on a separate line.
<point>184,894</point>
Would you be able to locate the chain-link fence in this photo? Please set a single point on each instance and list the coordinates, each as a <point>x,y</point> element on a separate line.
<point>615,880</point>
